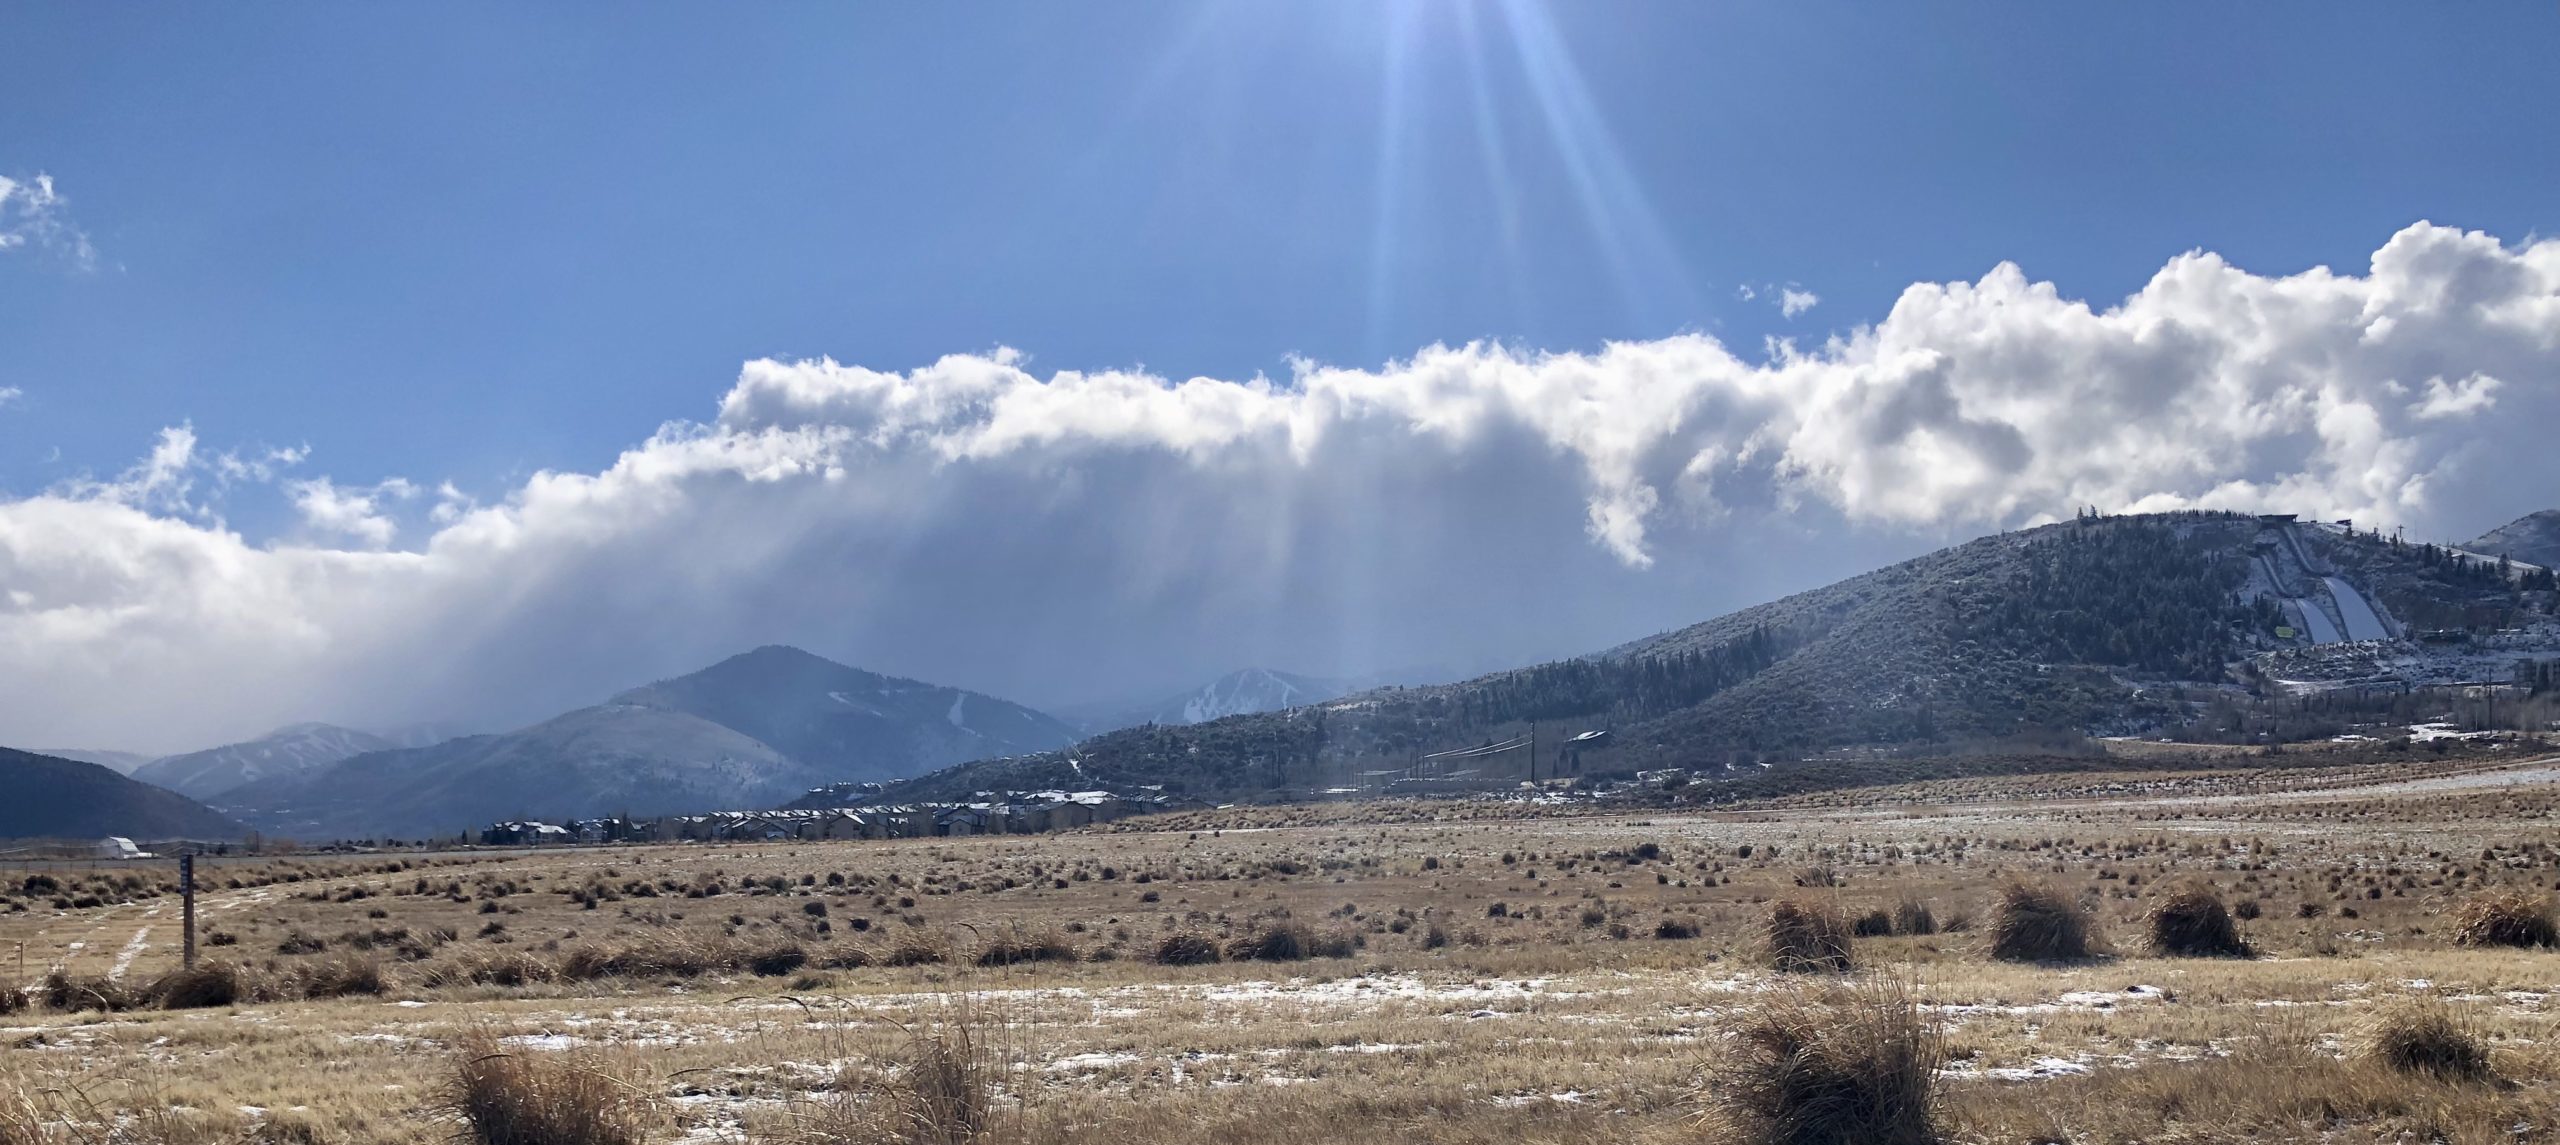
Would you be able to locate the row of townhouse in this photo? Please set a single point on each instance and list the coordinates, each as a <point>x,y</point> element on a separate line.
<point>1020,813</point>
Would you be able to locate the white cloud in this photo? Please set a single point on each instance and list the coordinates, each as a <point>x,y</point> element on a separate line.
<point>1792,301</point>
<point>353,513</point>
<point>1079,532</point>
<point>10,395</point>
<point>35,216</point>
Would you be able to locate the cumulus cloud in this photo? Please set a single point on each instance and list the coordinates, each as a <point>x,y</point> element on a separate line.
<point>1792,301</point>
<point>356,514</point>
<point>1065,534</point>
<point>35,216</point>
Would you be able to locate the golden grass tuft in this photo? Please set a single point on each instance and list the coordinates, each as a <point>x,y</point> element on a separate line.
<point>208,985</point>
<point>1044,946</point>
<point>1808,938</point>
<point>2191,922</point>
<point>1839,1065</point>
<point>936,1088</point>
<point>344,976</point>
<point>2505,917</point>
<point>508,1098</point>
<point>2031,923</point>
<point>1184,950</point>
<point>2426,1036</point>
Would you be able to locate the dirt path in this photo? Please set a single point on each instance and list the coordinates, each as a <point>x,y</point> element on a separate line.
<point>133,949</point>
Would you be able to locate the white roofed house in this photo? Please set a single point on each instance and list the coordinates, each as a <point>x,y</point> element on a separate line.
<point>842,825</point>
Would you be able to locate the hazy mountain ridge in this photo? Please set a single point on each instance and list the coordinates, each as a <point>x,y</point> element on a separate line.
<point>53,797</point>
<point>1245,691</point>
<point>2090,624</point>
<point>849,724</point>
<point>608,759</point>
<point>119,762</point>
<point>287,751</point>
<point>749,731</point>
<point>2533,538</point>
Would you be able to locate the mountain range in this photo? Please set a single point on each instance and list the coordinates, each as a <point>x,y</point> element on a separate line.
<point>284,752</point>
<point>749,731</point>
<point>2109,625</point>
<point>2101,624</point>
<point>1241,692</point>
<point>120,762</point>
<point>53,797</point>
<point>2533,538</point>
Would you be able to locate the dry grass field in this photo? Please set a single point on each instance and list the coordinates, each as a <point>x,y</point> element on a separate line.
<point>1420,972</point>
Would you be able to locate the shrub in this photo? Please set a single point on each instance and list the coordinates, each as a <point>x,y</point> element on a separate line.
<point>1672,928</point>
<point>2504,918</point>
<point>71,995</point>
<point>1185,950</point>
<point>1849,1065</point>
<point>778,959</point>
<point>12,998</point>
<point>340,977</point>
<point>2426,1037</point>
<point>660,958</point>
<point>1873,924</point>
<point>2190,922</point>
<point>1913,917</point>
<point>844,957</point>
<point>914,950</point>
<point>508,1098</point>
<point>938,1090</point>
<point>1271,942</point>
<point>1281,940</point>
<point>208,985</point>
<point>1807,938</point>
<point>1049,946</point>
<point>2037,924</point>
<point>510,970</point>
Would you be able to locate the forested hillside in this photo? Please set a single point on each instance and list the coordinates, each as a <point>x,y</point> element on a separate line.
<point>2056,627</point>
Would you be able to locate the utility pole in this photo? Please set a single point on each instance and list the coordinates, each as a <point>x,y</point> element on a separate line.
<point>187,896</point>
<point>1533,751</point>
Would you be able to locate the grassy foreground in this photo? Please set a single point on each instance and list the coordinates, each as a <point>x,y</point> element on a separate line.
<point>1435,978</point>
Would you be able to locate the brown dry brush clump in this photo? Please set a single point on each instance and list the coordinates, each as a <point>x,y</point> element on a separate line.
<point>668,957</point>
<point>2191,922</point>
<point>1913,917</point>
<point>937,1088</point>
<point>345,976</point>
<point>206,985</point>
<point>777,959</point>
<point>915,948</point>
<point>1285,941</point>
<point>2426,1037</point>
<point>509,1098</point>
<point>61,991</point>
<point>2032,923</point>
<point>2505,918</point>
<point>1006,950</point>
<point>1839,1065</point>
<point>1185,950</point>
<point>510,969</point>
<point>1808,938</point>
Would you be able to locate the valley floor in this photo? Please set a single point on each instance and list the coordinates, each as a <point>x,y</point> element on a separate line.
<point>1545,980</point>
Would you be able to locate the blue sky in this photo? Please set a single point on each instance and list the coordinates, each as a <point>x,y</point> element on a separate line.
<point>463,242</point>
<point>461,263</point>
